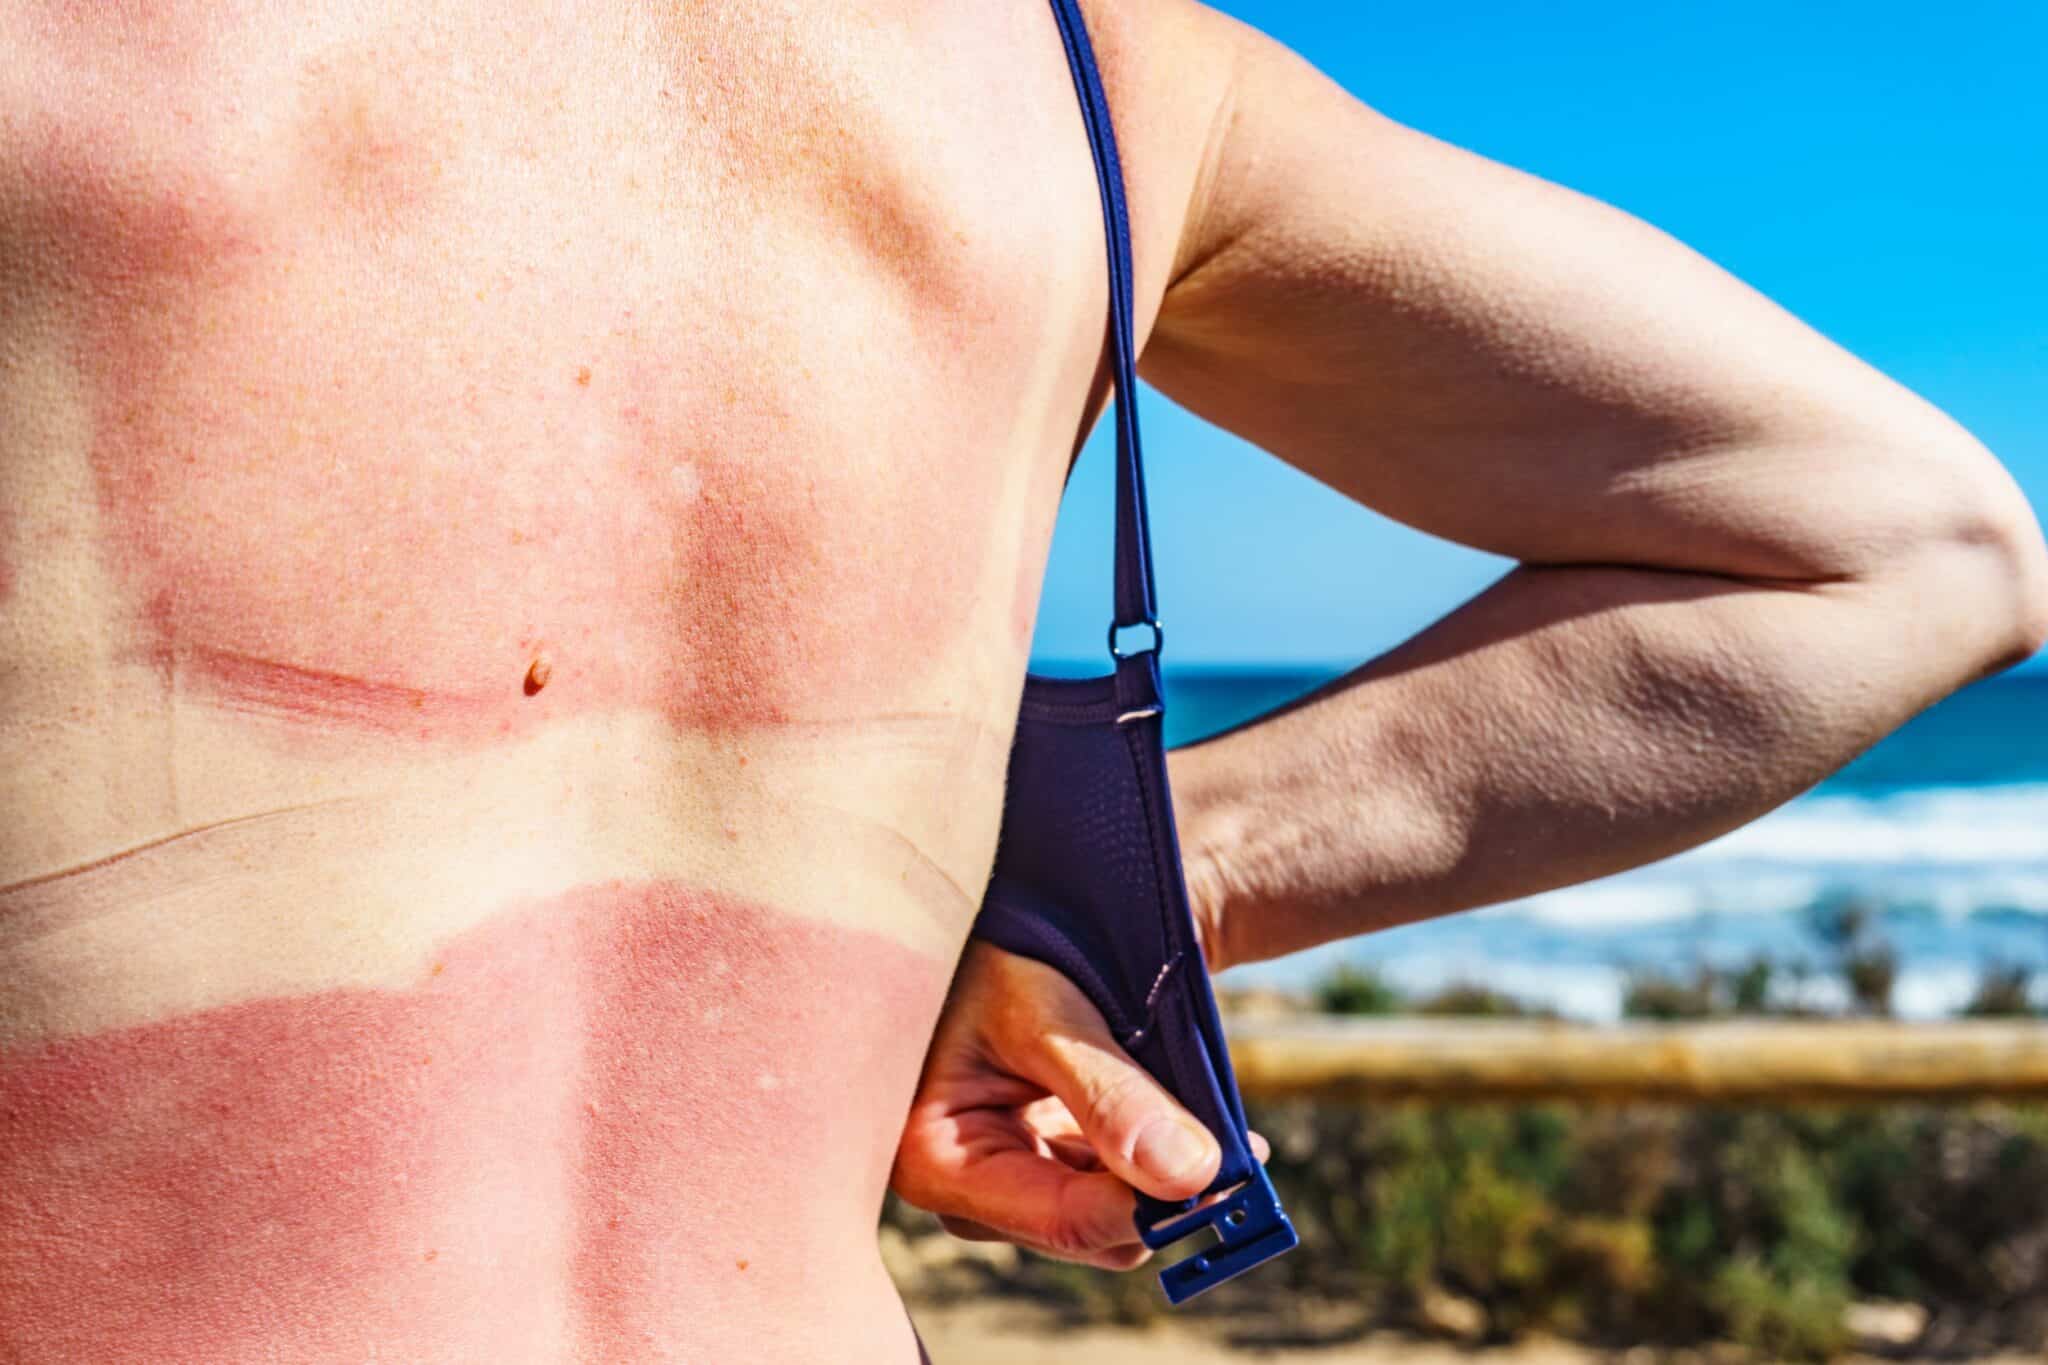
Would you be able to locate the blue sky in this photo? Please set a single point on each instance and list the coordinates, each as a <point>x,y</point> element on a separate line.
<point>1879,169</point>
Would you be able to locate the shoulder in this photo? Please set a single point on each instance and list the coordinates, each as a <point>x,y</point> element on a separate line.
<point>1169,68</point>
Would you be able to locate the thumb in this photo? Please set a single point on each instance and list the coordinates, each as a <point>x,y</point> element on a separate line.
<point>1140,1132</point>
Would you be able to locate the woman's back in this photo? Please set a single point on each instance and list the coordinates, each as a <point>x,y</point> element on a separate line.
<point>520,534</point>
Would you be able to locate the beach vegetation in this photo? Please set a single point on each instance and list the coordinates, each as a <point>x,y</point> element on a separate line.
<point>1644,1224</point>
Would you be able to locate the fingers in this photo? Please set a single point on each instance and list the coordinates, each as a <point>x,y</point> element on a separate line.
<point>1112,1258</point>
<point>967,1230</point>
<point>1075,1151</point>
<point>1032,1125</point>
<point>1120,1257</point>
<point>1138,1130</point>
<point>998,1186</point>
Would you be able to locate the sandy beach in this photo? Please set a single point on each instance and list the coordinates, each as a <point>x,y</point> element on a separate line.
<point>1005,1331</point>
<point>1016,1332</point>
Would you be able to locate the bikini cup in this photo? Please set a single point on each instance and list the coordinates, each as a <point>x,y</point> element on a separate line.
<point>1087,874</point>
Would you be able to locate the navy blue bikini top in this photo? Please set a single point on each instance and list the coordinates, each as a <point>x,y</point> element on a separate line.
<point>1088,873</point>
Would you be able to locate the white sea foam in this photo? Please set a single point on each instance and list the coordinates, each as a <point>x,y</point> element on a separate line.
<point>1944,826</point>
<point>1954,852</point>
<point>1667,895</point>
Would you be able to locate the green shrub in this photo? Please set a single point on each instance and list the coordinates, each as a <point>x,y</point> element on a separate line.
<point>2004,991</point>
<point>1781,1319</point>
<point>1464,999</point>
<point>1356,990</point>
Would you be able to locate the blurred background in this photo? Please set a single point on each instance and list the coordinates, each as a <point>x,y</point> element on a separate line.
<point>1882,171</point>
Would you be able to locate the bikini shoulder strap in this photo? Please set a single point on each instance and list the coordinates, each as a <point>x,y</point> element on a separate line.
<point>1134,603</point>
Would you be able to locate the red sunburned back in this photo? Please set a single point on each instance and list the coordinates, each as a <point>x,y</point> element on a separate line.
<point>518,537</point>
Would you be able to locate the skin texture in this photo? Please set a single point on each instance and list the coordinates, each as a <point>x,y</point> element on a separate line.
<point>1744,556</point>
<point>577,1093</point>
<point>632,463</point>
<point>520,531</point>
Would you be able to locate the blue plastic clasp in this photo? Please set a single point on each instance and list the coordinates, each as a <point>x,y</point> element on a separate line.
<point>1251,1229</point>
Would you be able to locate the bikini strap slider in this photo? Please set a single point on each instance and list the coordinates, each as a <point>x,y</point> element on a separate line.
<point>1153,646</point>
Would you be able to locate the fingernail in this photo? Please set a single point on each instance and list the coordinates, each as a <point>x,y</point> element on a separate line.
<point>1168,1149</point>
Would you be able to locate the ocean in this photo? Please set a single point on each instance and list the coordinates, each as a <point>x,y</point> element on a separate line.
<point>1941,830</point>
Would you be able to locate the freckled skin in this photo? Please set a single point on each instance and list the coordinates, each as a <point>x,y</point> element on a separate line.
<point>340,326</point>
<point>743,594</point>
<point>567,1141</point>
<point>663,416</point>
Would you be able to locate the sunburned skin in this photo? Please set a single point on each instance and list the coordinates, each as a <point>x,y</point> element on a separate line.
<point>627,1092</point>
<point>618,488</point>
<point>595,461</point>
<point>518,540</point>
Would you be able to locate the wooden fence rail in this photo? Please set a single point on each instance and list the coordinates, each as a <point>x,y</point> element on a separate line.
<point>1734,1062</point>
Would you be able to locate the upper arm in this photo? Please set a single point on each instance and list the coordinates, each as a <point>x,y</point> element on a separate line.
<point>1507,363</point>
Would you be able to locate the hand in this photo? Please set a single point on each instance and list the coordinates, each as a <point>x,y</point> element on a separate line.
<point>1032,1126</point>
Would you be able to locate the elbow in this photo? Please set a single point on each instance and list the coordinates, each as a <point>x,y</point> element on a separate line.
<point>2029,558</point>
<point>2015,594</point>
<point>1978,565</point>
